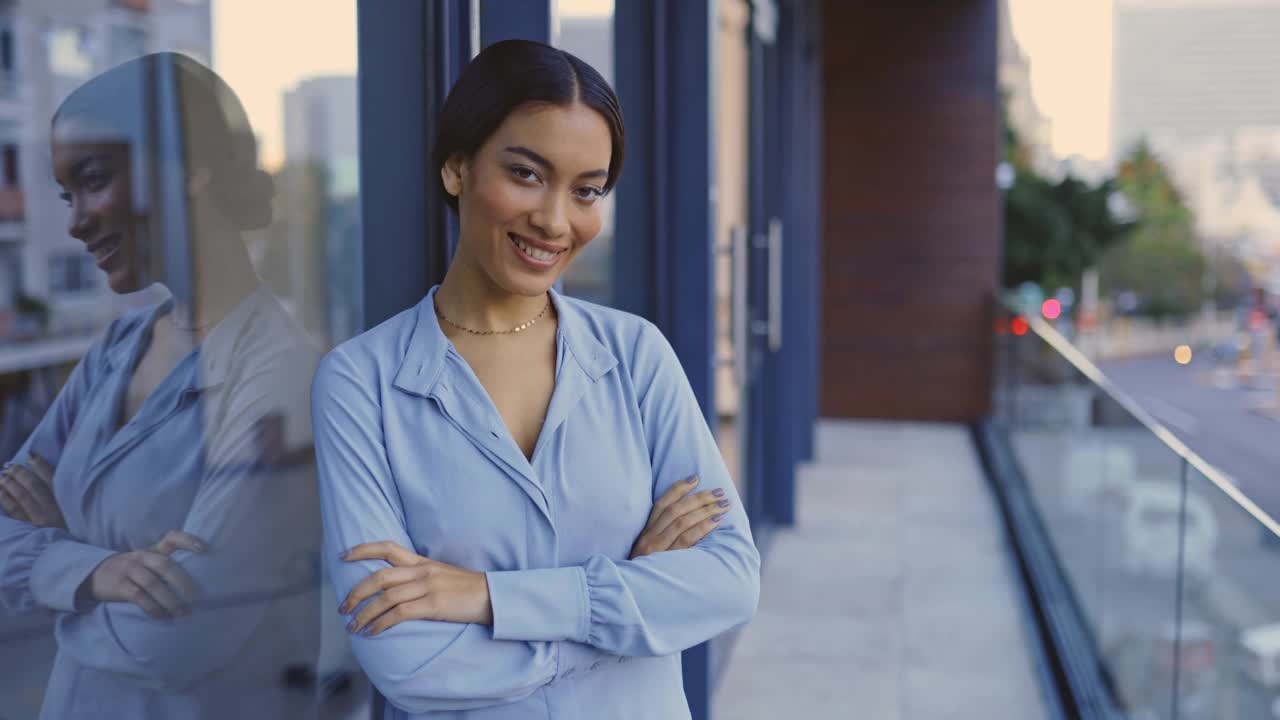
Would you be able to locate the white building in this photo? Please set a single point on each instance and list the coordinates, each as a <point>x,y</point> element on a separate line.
<point>1023,114</point>
<point>1200,81</point>
<point>1189,70</point>
<point>47,49</point>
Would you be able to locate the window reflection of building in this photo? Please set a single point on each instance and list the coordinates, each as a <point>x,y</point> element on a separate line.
<point>319,238</point>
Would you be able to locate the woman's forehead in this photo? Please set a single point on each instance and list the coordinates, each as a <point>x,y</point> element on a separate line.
<point>571,134</point>
<point>82,131</point>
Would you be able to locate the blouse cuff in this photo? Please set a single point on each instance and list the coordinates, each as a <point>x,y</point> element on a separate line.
<point>60,570</point>
<point>539,605</point>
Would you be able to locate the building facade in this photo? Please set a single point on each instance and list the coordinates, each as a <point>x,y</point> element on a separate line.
<point>1188,70</point>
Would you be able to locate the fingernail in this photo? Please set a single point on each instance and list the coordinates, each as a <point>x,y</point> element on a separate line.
<point>351,626</point>
<point>693,480</point>
<point>716,518</point>
<point>723,503</point>
<point>718,492</point>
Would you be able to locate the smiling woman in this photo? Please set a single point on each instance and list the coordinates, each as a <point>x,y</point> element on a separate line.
<point>525,513</point>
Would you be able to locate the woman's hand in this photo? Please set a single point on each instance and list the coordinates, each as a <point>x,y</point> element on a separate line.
<point>414,588</point>
<point>148,578</point>
<point>26,493</point>
<point>680,518</point>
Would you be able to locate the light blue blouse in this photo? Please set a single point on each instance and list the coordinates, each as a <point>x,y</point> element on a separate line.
<point>220,449</point>
<point>411,449</point>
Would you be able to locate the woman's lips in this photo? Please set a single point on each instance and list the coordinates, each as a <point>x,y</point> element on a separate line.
<point>532,254</point>
<point>104,249</point>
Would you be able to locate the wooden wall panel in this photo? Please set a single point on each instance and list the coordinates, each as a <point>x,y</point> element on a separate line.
<point>911,219</point>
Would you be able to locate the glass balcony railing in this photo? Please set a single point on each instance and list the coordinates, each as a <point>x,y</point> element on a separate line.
<point>1175,573</point>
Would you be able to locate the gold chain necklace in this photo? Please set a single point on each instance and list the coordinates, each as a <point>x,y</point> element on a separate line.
<point>516,329</point>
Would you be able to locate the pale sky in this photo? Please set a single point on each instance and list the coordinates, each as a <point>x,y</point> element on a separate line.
<point>584,7</point>
<point>262,48</point>
<point>1069,45</point>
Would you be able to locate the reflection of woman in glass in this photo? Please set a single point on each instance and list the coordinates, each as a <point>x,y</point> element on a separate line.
<point>164,508</point>
<point>507,466</point>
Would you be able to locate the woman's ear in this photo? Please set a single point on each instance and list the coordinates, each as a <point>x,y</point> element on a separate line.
<point>452,174</point>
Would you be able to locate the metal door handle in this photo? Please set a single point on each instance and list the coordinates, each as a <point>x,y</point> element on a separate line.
<point>775,284</point>
<point>741,328</point>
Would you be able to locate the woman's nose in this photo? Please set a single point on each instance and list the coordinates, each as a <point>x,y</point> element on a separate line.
<point>551,218</point>
<point>80,223</point>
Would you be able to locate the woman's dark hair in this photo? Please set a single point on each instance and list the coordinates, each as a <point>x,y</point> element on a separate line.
<point>512,73</point>
<point>216,135</point>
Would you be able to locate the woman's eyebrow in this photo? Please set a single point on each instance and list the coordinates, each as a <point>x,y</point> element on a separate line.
<point>78,167</point>
<point>531,155</point>
<point>546,164</point>
<point>83,163</point>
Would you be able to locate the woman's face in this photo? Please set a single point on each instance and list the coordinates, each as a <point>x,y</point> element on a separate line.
<point>96,184</point>
<point>529,199</point>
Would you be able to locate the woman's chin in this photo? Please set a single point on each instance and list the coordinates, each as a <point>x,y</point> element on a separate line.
<point>123,282</point>
<point>528,284</point>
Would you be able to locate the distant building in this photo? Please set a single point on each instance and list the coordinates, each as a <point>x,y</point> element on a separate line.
<point>1024,116</point>
<point>1198,80</point>
<point>1190,70</point>
<point>320,189</point>
<point>1233,184</point>
<point>47,49</point>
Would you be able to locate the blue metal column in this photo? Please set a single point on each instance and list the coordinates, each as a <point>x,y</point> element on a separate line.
<point>512,19</point>
<point>793,150</point>
<point>663,258</point>
<point>409,55</point>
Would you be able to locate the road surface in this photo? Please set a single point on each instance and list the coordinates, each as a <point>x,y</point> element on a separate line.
<point>1219,424</point>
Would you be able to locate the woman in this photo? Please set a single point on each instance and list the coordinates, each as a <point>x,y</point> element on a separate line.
<point>164,508</point>
<point>507,471</point>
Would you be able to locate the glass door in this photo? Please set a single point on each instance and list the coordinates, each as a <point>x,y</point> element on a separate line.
<point>748,238</point>
<point>732,167</point>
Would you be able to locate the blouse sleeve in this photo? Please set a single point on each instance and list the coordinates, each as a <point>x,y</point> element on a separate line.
<point>43,567</point>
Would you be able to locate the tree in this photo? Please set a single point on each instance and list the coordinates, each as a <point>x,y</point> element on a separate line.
<point>1162,262</point>
<point>1054,230</point>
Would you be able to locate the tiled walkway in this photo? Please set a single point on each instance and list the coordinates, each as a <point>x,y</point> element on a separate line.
<point>893,597</point>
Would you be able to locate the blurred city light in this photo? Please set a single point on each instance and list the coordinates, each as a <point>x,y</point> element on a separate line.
<point>1019,326</point>
<point>1051,309</point>
<point>1182,354</point>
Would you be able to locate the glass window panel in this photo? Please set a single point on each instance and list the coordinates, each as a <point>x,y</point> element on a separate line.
<point>205,255</point>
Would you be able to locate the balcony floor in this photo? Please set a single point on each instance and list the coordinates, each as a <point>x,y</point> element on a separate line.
<point>894,596</point>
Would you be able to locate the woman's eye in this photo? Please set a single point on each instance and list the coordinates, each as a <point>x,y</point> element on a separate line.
<point>589,194</point>
<point>95,181</point>
<point>523,173</point>
<point>65,197</point>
